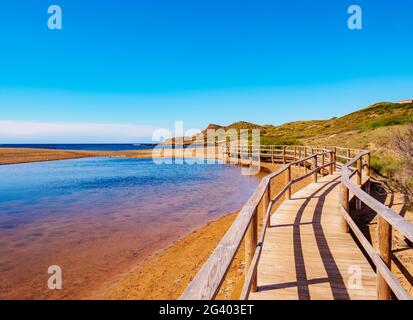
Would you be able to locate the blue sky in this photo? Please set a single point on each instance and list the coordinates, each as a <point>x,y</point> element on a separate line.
<point>147,63</point>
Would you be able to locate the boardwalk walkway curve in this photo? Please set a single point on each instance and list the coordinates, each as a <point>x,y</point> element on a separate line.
<point>305,249</point>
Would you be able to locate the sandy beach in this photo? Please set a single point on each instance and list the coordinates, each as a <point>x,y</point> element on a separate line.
<point>20,155</point>
<point>27,155</point>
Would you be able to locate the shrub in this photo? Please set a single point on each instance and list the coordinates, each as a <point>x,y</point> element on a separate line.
<point>403,146</point>
<point>384,122</point>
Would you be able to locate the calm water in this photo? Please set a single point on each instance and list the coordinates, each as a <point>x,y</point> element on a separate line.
<point>98,217</point>
<point>97,147</point>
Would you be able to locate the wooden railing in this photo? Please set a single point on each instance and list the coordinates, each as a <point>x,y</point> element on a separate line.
<point>314,160</point>
<point>207,282</point>
<point>387,219</point>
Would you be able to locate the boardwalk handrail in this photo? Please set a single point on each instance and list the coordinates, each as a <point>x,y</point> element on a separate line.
<point>208,280</point>
<point>206,284</point>
<point>387,218</point>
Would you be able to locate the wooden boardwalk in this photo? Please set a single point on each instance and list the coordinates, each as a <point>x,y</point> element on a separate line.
<point>307,256</point>
<point>306,251</point>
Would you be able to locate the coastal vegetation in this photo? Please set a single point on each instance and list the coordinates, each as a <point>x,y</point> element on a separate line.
<point>403,146</point>
<point>377,128</point>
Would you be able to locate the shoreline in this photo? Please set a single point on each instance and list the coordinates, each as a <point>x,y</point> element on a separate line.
<point>165,272</point>
<point>179,262</point>
<point>9,156</point>
<point>220,225</point>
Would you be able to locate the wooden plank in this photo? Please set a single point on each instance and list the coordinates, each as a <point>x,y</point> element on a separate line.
<point>208,280</point>
<point>396,221</point>
<point>311,260</point>
<point>316,217</point>
<point>385,242</point>
<point>382,268</point>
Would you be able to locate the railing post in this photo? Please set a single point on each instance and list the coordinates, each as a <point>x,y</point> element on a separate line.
<point>368,172</point>
<point>331,162</point>
<point>287,180</point>
<point>305,162</point>
<point>295,153</point>
<point>272,154</point>
<point>266,200</point>
<point>322,164</point>
<point>227,152</point>
<point>359,180</point>
<point>284,155</point>
<point>314,167</point>
<point>368,169</point>
<point>348,153</point>
<point>359,171</point>
<point>385,244</point>
<point>346,207</point>
<point>251,238</point>
<point>268,192</point>
<point>334,159</point>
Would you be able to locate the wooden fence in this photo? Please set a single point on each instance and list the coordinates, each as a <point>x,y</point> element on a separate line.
<point>313,160</point>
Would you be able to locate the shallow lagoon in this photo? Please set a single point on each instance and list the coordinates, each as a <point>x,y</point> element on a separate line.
<point>98,217</point>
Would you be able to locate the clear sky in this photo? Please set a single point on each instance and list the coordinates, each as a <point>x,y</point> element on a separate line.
<point>120,68</point>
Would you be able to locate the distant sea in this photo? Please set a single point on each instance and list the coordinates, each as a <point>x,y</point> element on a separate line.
<point>97,147</point>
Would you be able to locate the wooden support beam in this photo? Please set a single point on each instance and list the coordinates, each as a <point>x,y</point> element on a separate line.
<point>368,168</point>
<point>385,244</point>
<point>359,172</point>
<point>227,152</point>
<point>268,192</point>
<point>314,166</point>
<point>346,207</point>
<point>287,180</point>
<point>251,238</point>
<point>368,173</point>
<point>322,164</point>
<point>284,155</point>
<point>272,154</point>
<point>305,162</point>
<point>359,180</point>
<point>331,162</point>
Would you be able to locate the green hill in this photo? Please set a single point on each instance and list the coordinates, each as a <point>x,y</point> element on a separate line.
<point>371,128</point>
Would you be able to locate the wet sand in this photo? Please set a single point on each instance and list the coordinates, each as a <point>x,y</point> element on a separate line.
<point>27,155</point>
<point>23,155</point>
